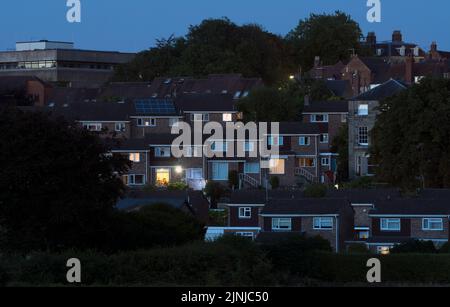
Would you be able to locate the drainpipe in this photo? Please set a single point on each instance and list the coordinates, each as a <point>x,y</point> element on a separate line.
<point>337,234</point>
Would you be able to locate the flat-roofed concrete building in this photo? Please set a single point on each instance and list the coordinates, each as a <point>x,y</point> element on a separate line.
<point>61,63</point>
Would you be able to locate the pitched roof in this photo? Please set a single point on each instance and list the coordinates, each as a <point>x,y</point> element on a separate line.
<point>411,206</point>
<point>327,107</point>
<point>94,111</point>
<point>385,90</point>
<point>340,88</point>
<point>205,102</point>
<point>306,206</point>
<point>365,196</point>
<point>299,128</point>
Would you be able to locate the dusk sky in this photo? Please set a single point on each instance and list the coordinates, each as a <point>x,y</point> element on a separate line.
<point>134,25</point>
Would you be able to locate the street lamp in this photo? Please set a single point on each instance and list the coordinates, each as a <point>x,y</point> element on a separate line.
<point>178,170</point>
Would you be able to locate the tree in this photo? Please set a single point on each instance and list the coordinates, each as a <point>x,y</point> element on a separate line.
<point>410,139</point>
<point>415,247</point>
<point>330,36</point>
<point>340,146</point>
<point>214,46</point>
<point>58,185</point>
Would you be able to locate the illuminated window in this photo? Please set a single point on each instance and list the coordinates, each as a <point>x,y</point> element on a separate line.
<point>277,166</point>
<point>363,110</point>
<point>306,162</point>
<point>227,117</point>
<point>135,157</point>
<point>383,250</point>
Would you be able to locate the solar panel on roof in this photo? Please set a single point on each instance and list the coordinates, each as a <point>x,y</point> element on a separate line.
<point>155,106</point>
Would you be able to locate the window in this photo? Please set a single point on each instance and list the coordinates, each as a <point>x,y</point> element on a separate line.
<point>246,234</point>
<point>276,141</point>
<point>446,75</point>
<point>237,95</point>
<point>324,138</point>
<point>390,225</point>
<point>146,122</point>
<point>251,168</point>
<point>162,152</point>
<point>245,213</point>
<point>120,127</point>
<point>219,171</point>
<point>363,110</point>
<point>304,141</point>
<point>281,224</point>
<point>363,136</point>
<point>135,157</point>
<point>429,224</point>
<point>325,161</point>
<point>194,173</point>
<point>306,162</point>
<point>319,118</point>
<point>277,166</point>
<point>227,117</point>
<point>131,180</point>
<point>343,118</point>
<point>200,117</point>
<point>323,223</point>
<point>364,235</point>
<point>93,126</point>
<point>383,250</point>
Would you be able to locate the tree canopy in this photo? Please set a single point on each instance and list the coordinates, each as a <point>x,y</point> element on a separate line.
<point>330,36</point>
<point>214,46</point>
<point>57,183</point>
<point>411,136</point>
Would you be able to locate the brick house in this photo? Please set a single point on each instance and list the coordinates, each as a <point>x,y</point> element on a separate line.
<point>361,120</point>
<point>331,219</point>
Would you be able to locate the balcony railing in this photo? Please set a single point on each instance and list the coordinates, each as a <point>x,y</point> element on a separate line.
<point>302,172</point>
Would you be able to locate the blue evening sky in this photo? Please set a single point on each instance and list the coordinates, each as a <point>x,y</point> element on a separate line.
<point>133,25</point>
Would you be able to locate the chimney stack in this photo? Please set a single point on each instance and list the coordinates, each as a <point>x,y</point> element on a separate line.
<point>371,39</point>
<point>397,37</point>
<point>409,70</point>
<point>434,47</point>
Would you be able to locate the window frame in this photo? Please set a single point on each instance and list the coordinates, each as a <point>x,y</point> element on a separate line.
<point>245,213</point>
<point>304,141</point>
<point>246,170</point>
<point>386,228</point>
<point>323,139</point>
<point>276,226</point>
<point>315,116</point>
<point>141,122</point>
<point>430,221</point>
<point>123,127</point>
<point>363,135</point>
<point>363,109</point>
<point>158,152</point>
<point>228,115</point>
<point>133,155</point>
<point>318,223</point>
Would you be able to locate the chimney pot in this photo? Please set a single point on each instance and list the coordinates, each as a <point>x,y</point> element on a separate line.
<point>397,36</point>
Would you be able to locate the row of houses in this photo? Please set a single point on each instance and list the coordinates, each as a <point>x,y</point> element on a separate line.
<point>377,219</point>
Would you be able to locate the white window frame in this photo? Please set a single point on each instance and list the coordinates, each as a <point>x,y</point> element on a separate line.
<point>320,223</point>
<point>120,127</point>
<point>385,224</point>
<point>227,117</point>
<point>195,117</point>
<point>134,157</point>
<point>245,213</point>
<point>315,116</point>
<point>324,138</point>
<point>274,165</point>
<point>225,177</point>
<point>275,141</point>
<point>363,110</point>
<point>146,122</point>
<point>427,222</point>
<point>361,133</point>
<point>165,149</point>
<point>277,224</point>
<point>325,161</point>
<point>97,127</point>
<point>131,179</point>
<point>304,141</point>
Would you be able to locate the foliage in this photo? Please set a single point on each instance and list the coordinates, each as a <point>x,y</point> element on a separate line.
<point>153,225</point>
<point>214,46</point>
<point>218,218</point>
<point>316,191</point>
<point>274,182</point>
<point>361,183</point>
<point>330,36</point>
<point>340,146</point>
<point>214,191</point>
<point>54,194</point>
<point>177,186</point>
<point>415,247</point>
<point>418,119</point>
<point>358,249</point>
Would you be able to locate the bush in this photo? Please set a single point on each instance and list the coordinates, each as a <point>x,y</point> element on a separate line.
<point>274,182</point>
<point>214,191</point>
<point>177,186</point>
<point>358,249</point>
<point>445,249</point>
<point>415,247</point>
<point>316,191</point>
<point>228,262</point>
